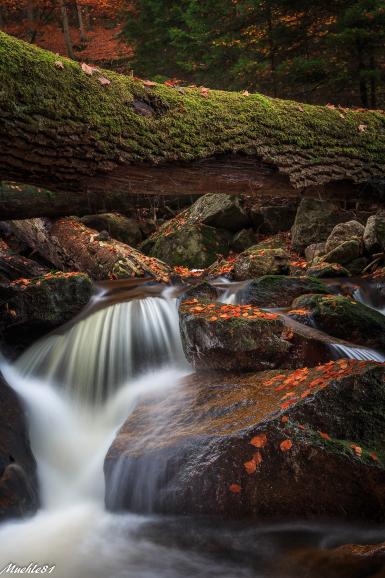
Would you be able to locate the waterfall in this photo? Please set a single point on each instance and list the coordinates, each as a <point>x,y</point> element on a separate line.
<point>360,353</point>
<point>97,355</point>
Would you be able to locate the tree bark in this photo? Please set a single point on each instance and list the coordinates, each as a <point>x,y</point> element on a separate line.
<point>63,129</point>
<point>83,36</point>
<point>66,29</point>
<point>71,246</point>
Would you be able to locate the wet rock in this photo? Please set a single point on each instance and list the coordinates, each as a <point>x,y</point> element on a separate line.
<point>280,290</point>
<point>349,231</point>
<point>263,446</point>
<point>243,240</point>
<point>218,210</point>
<point>18,479</point>
<point>315,221</point>
<point>315,250</point>
<point>327,270</point>
<point>374,235</point>
<point>118,226</point>
<point>33,307</point>
<point>194,246</point>
<point>357,266</point>
<point>344,253</point>
<point>344,318</point>
<point>256,261</point>
<point>230,337</point>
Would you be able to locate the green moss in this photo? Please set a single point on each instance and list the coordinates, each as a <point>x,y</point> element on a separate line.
<point>183,126</point>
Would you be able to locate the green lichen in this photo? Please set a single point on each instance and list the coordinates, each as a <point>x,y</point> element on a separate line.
<point>184,126</point>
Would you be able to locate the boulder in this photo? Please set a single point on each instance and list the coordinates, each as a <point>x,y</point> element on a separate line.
<point>193,246</point>
<point>243,240</point>
<point>315,250</point>
<point>279,290</point>
<point>32,307</point>
<point>218,210</point>
<point>18,478</point>
<point>327,270</point>
<point>374,234</point>
<point>256,261</point>
<point>344,318</point>
<point>278,218</point>
<point>351,230</point>
<point>357,266</point>
<point>345,253</point>
<point>266,445</point>
<point>118,226</point>
<point>315,221</point>
<point>229,337</point>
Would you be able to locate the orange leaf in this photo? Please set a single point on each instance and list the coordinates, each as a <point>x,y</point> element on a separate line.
<point>284,419</point>
<point>374,456</point>
<point>235,488</point>
<point>285,445</point>
<point>357,449</point>
<point>325,436</point>
<point>250,467</point>
<point>259,441</point>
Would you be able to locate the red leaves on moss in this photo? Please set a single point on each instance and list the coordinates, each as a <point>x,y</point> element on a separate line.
<point>285,445</point>
<point>235,488</point>
<point>259,441</point>
<point>212,311</point>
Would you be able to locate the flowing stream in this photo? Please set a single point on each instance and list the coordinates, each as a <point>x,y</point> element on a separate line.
<point>78,386</point>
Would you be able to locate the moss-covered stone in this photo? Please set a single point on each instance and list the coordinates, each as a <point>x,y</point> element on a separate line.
<point>351,230</point>
<point>327,270</point>
<point>280,290</point>
<point>243,240</point>
<point>118,226</point>
<point>374,234</point>
<point>193,246</point>
<point>344,318</point>
<point>256,262</point>
<point>345,253</point>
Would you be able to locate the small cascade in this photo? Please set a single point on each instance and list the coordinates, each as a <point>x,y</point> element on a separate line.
<point>100,353</point>
<point>371,295</point>
<point>359,353</point>
<point>231,290</point>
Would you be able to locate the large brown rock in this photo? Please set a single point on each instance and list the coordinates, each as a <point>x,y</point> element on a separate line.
<point>304,444</point>
<point>351,230</point>
<point>374,234</point>
<point>18,479</point>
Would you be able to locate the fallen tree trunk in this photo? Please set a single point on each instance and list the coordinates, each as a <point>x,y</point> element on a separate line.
<point>73,132</point>
<point>71,246</point>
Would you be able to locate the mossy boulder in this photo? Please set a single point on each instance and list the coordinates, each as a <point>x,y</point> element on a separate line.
<point>218,210</point>
<point>315,250</point>
<point>304,444</point>
<point>193,246</point>
<point>19,493</point>
<point>349,231</point>
<point>280,290</point>
<point>315,221</point>
<point>344,318</point>
<point>256,262</point>
<point>357,266</point>
<point>327,270</point>
<point>374,234</point>
<point>118,226</point>
<point>345,253</point>
<point>231,337</point>
<point>32,307</point>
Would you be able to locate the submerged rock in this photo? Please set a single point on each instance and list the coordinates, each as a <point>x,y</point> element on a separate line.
<point>280,290</point>
<point>344,318</point>
<point>194,246</point>
<point>18,478</point>
<point>262,445</point>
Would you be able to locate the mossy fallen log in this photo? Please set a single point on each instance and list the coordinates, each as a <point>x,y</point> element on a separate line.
<point>69,131</point>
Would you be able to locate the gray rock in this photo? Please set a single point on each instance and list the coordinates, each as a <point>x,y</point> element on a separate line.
<point>243,240</point>
<point>314,250</point>
<point>374,235</point>
<point>219,210</point>
<point>351,230</point>
<point>344,253</point>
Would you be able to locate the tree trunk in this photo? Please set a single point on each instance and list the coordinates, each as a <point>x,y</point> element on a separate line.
<point>66,29</point>
<point>63,129</point>
<point>71,246</point>
<point>83,36</point>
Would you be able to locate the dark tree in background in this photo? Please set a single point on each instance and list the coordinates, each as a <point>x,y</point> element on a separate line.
<point>319,51</point>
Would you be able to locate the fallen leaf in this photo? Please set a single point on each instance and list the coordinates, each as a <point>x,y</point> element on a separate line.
<point>103,80</point>
<point>362,127</point>
<point>59,64</point>
<point>357,449</point>
<point>204,91</point>
<point>246,93</point>
<point>285,445</point>
<point>374,456</point>
<point>284,419</point>
<point>149,83</point>
<point>259,441</point>
<point>325,436</point>
<point>235,488</point>
<point>89,70</point>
